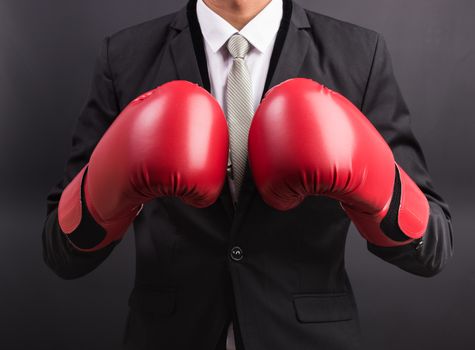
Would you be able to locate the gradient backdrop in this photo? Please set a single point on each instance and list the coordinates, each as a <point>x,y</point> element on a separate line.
<point>47,51</point>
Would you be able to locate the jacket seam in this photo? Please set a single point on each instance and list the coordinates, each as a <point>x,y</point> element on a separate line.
<point>370,73</point>
<point>111,75</point>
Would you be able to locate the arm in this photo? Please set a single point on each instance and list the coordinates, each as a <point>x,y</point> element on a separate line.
<point>98,113</point>
<point>385,108</point>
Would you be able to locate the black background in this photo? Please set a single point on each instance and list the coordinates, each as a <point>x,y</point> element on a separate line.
<point>47,51</point>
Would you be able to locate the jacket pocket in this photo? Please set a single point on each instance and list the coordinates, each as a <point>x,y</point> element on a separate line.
<point>315,308</point>
<point>154,301</point>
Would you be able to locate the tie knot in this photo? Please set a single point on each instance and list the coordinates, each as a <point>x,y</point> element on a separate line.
<point>238,46</point>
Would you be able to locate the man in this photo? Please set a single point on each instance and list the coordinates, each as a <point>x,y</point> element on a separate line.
<point>238,273</point>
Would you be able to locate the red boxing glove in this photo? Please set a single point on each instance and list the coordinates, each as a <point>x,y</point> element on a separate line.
<point>308,140</point>
<point>170,141</point>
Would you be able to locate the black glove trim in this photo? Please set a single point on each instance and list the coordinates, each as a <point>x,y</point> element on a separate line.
<point>89,233</point>
<point>390,224</point>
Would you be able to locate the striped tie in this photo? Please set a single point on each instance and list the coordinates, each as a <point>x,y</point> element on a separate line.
<point>239,108</point>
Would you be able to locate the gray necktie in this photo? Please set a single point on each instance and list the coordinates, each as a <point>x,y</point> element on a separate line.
<point>239,107</point>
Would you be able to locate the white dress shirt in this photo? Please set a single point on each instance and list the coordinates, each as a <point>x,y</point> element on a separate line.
<point>261,33</point>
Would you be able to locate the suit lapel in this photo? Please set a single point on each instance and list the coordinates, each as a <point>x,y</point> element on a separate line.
<point>290,49</point>
<point>182,51</point>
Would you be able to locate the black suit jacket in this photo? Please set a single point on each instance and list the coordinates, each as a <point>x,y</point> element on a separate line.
<point>290,289</point>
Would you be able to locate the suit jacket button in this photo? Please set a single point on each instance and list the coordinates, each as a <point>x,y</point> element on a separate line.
<point>236,253</point>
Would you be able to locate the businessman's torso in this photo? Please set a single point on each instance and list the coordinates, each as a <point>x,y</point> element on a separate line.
<point>285,269</point>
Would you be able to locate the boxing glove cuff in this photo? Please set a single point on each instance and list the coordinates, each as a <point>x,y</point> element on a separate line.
<point>402,221</point>
<point>80,223</point>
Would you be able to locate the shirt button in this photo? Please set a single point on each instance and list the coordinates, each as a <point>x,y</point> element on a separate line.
<point>236,253</point>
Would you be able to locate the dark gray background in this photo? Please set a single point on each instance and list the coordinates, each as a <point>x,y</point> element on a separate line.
<point>47,50</point>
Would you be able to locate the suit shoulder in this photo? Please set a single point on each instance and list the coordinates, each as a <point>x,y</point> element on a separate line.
<point>346,51</point>
<point>345,33</point>
<point>341,27</point>
<point>138,33</point>
<point>147,27</point>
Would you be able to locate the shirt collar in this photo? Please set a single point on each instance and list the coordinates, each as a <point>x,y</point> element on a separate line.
<point>260,31</point>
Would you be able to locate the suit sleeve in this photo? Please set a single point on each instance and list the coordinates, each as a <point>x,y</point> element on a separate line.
<point>384,106</point>
<point>99,111</point>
